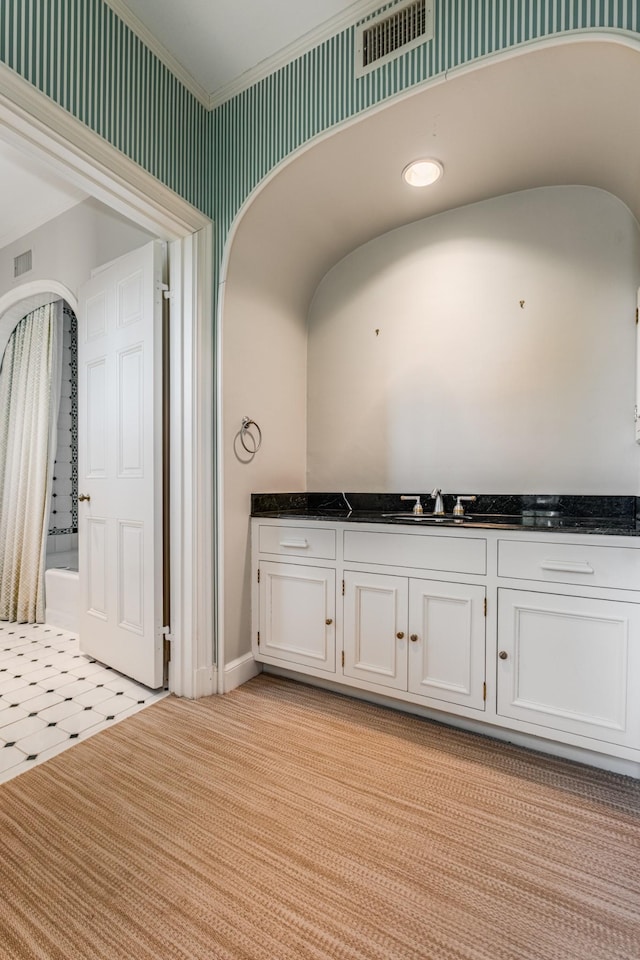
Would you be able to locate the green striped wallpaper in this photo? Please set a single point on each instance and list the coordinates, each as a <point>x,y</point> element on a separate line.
<point>85,58</point>
<point>82,55</point>
<point>258,128</point>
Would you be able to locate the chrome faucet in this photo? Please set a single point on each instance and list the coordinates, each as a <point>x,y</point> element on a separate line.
<point>438,507</point>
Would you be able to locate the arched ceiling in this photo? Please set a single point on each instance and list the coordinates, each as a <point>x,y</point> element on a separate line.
<point>559,113</point>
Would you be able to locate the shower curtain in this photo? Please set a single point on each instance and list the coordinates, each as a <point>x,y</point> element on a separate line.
<point>29,399</point>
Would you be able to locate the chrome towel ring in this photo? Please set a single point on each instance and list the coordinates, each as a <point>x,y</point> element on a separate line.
<point>247,432</point>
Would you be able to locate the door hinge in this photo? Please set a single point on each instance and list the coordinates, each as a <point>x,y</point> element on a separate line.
<point>258,638</point>
<point>484,691</point>
<point>343,658</point>
<point>258,574</point>
<point>485,606</point>
<point>343,588</point>
<point>166,644</point>
<point>637,310</point>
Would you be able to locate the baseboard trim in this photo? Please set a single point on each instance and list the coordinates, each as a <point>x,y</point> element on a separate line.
<point>239,671</point>
<point>205,680</point>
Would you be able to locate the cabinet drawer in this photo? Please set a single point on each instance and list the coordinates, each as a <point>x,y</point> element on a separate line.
<point>587,565</point>
<point>448,554</point>
<point>297,541</point>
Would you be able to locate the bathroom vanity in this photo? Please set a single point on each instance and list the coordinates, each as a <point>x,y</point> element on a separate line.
<point>525,626</point>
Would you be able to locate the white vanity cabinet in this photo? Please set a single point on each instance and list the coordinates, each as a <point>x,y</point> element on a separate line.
<point>571,664</point>
<point>527,635</point>
<point>295,602</point>
<point>423,637</point>
<point>565,661</point>
<point>422,634</point>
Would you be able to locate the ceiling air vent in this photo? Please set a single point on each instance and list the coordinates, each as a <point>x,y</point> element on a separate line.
<point>22,264</point>
<point>389,35</point>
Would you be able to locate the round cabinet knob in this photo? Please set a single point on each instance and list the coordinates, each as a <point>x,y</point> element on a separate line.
<point>413,637</point>
<point>400,635</point>
<point>503,655</point>
<point>329,622</point>
<point>83,496</point>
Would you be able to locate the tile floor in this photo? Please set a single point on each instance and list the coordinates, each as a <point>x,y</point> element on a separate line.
<point>52,696</point>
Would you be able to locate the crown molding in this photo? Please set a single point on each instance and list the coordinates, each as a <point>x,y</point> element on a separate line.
<point>313,38</point>
<point>144,34</point>
<point>32,122</point>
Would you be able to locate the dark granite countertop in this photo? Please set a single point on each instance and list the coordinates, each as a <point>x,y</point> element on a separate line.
<point>602,515</point>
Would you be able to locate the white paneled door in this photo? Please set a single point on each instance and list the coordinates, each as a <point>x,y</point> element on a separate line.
<point>120,464</point>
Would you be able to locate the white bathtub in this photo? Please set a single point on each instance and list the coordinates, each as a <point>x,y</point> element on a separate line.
<point>62,590</point>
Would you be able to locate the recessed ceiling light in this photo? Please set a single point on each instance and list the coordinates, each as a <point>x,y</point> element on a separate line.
<point>422,173</point>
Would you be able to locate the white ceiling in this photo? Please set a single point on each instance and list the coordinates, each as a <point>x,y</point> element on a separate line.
<point>31,194</point>
<point>216,42</point>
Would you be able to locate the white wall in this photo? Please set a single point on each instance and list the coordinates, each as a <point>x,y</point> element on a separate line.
<point>424,370</point>
<point>264,377</point>
<point>67,248</point>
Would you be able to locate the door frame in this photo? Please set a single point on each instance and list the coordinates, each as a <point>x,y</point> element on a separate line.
<point>33,123</point>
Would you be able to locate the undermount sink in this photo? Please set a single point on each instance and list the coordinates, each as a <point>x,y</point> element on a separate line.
<point>422,517</point>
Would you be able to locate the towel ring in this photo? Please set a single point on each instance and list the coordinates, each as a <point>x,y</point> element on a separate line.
<point>245,432</point>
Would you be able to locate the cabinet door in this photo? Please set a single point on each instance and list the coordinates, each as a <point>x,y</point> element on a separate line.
<point>570,663</point>
<point>447,642</point>
<point>297,615</point>
<point>375,628</point>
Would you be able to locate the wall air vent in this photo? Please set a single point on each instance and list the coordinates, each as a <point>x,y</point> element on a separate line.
<point>22,264</point>
<point>389,35</point>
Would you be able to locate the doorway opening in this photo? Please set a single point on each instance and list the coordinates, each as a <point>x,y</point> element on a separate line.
<point>45,132</point>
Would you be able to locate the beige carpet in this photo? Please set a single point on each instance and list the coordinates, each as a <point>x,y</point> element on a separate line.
<point>285,823</point>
